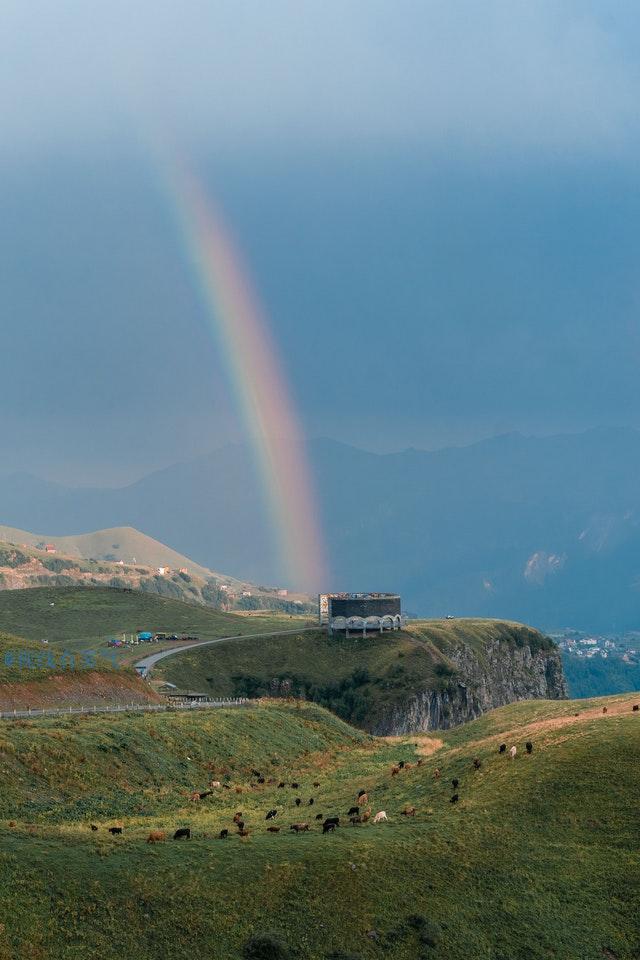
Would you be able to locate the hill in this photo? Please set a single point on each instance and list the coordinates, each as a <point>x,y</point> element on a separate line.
<point>537,859</point>
<point>124,557</point>
<point>433,674</point>
<point>542,530</point>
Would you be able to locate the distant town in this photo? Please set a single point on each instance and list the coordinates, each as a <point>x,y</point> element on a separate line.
<point>626,646</point>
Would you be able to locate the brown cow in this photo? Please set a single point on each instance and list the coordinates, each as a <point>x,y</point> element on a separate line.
<point>299,827</point>
<point>273,829</point>
<point>156,836</point>
<point>395,771</point>
<point>409,811</point>
<point>363,800</point>
<point>237,817</point>
<point>365,816</point>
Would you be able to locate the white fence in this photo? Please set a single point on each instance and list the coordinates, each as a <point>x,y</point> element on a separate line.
<point>127,708</point>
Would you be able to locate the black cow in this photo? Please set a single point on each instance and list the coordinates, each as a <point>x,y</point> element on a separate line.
<point>260,779</point>
<point>529,746</point>
<point>328,826</point>
<point>294,786</point>
<point>401,764</point>
<point>240,826</point>
<point>223,834</point>
<point>477,763</point>
<point>311,802</point>
<point>635,708</point>
<point>256,773</point>
<point>114,830</point>
<point>298,801</point>
<point>454,798</point>
<point>353,810</point>
<point>271,815</point>
<point>502,748</point>
<point>93,826</point>
<point>334,820</point>
<point>361,793</point>
<point>281,785</point>
<point>184,833</point>
<point>454,784</point>
<point>319,816</point>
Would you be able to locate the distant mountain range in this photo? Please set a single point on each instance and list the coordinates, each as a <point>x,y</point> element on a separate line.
<point>545,530</point>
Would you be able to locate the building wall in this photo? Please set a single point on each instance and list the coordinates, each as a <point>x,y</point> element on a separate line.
<point>364,606</point>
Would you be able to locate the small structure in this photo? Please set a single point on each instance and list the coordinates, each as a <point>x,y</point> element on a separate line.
<point>50,548</point>
<point>191,696</point>
<point>360,612</point>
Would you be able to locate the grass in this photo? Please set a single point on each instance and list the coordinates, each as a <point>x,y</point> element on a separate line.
<point>538,860</point>
<point>83,617</point>
<point>361,679</point>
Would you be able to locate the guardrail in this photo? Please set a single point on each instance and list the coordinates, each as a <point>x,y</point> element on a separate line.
<point>126,708</point>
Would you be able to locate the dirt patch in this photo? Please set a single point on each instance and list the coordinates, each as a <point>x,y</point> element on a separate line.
<point>424,745</point>
<point>86,689</point>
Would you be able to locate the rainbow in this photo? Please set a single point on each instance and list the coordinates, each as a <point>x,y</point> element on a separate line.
<point>236,316</point>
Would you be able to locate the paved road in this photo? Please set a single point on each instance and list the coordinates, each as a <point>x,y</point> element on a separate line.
<point>145,665</point>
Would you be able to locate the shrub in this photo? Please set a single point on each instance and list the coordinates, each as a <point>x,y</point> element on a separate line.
<point>265,946</point>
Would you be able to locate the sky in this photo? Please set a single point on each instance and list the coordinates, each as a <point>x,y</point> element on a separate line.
<point>436,201</point>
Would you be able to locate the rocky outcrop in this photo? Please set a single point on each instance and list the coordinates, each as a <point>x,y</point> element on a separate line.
<point>503,673</point>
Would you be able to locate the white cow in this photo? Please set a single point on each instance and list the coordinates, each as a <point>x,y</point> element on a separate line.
<point>512,752</point>
<point>379,817</point>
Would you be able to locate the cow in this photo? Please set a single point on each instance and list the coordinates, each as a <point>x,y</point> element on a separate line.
<point>238,789</point>
<point>311,801</point>
<point>240,826</point>
<point>316,783</point>
<point>93,826</point>
<point>256,773</point>
<point>242,832</point>
<point>319,816</point>
<point>635,708</point>
<point>271,815</point>
<point>334,820</point>
<point>502,748</point>
<point>402,764</point>
<point>436,774</point>
<point>604,709</point>
<point>204,793</point>
<point>395,771</point>
<point>183,833</point>
<point>195,797</point>
<point>512,752</point>
<point>299,827</point>
<point>454,783</point>
<point>114,830</point>
<point>454,798</point>
<point>216,784</point>
<point>529,746</point>
<point>362,800</point>
<point>223,834</point>
<point>281,785</point>
<point>354,820</point>
<point>328,826</point>
<point>419,762</point>
<point>409,811</point>
<point>156,836</point>
<point>260,779</point>
<point>366,815</point>
<point>352,811</point>
<point>237,817</point>
<point>298,801</point>
<point>380,816</point>
<point>361,793</point>
<point>294,786</point>
<point>273,829</point>
<point>477,763</point>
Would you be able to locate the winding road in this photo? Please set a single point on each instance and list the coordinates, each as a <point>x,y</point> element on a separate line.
<point>145,666</point>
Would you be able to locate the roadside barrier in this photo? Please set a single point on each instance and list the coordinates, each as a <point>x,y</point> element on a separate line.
<point>127,708</point>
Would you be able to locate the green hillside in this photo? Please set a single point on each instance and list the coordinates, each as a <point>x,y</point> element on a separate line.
<point>79,616</point>
<point>360,679</point>
<point>538,859</point>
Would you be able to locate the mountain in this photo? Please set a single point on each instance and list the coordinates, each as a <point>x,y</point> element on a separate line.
<point>545,530</point>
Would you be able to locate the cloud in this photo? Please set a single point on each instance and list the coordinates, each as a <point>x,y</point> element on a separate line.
<point>504,74</point>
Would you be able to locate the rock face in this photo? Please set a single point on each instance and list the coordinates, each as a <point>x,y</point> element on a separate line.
<point>503,674</point>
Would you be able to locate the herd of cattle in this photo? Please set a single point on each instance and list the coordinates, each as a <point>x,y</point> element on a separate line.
<point>359,813</point>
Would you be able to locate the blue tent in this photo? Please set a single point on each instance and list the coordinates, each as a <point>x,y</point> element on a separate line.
<point>145,635</point>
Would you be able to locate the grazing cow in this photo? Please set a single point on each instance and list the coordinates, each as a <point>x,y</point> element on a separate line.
<point>354,820</point>
<point>114,830</point>
<point>242,832</point>
<point>316,783</point>
<point>299,827</point>
<point>395,771</point>
<point>298,801</point>
<point>409,811</point>
<point>635,708</point>
<point>205,793</point>
<point>454,783</point>
<point>419,762</point>
<point>366,815</point>
<point>260,779</point>
<point>273,829</point>
<point>436,774</point>
<point>529,746</point>
<point>237,817</point>
<point>294,786</point>
<point>223,834</point>
<point>334,820</point>
<point>195,797</point>
<point>380,816</point>
<point>319,816</point>
<point>271,815</point>
<point>240,826</point>
<point>183,833</point>
<point>454,798</point>
<point>311,801</point>
<point>477,763</point>
<point>353,811</point>
<point>402,764</point>
<point>502,748</point>
<point>361,793</point>
<point>93,826</point>
<point>328,826</point>
<point>281,785</point>
<point>216,784</point>
<point>604,709</point>
<point>238,789</point>
<point>156,836</point>
<point>256,773</point>
<point>363,800</point>
<point>513,752</point>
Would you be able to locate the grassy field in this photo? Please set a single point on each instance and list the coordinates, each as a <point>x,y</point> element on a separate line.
<point>358,678</point>
<point>537,860</point>
<point>83,617</point>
